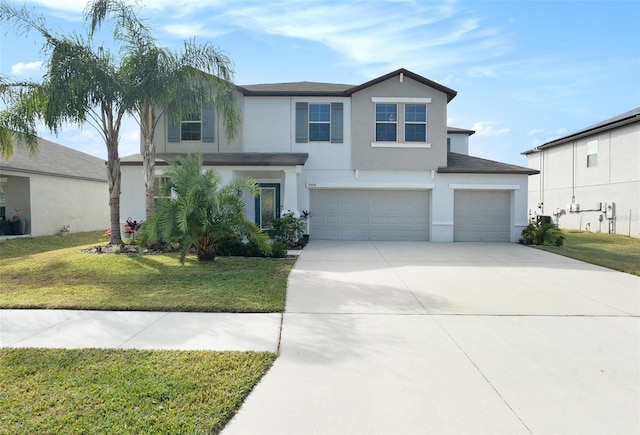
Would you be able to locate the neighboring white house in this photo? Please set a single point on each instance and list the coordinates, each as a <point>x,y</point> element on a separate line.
<point>57,187</point>
<point>370,162</point>
<point>590,179</point>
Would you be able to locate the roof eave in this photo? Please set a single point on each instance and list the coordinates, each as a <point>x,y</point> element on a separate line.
<point>451,94</point>
<point>584,133</point>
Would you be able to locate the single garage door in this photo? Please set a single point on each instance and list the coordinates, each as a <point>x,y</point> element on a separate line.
<point>482,216</point>
<point>366,214</point>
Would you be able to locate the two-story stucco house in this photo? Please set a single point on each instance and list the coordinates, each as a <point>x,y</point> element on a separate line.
<point>590,179</point>
<point>374,161</point>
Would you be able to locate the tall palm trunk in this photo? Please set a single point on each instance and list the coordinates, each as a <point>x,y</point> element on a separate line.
<point>114,178</point>
<point>148,160</point>
<point>111,132</point>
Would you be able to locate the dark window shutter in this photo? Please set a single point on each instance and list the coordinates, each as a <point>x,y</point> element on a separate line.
<point>173,133</point>
<point>337,122</point>
<point>302,122</point>
<point>207,125</point>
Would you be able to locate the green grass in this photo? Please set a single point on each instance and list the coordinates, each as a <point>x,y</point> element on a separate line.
<point>20,247</point>
<point>124,391</point>
<point>608,250</point>
<point>43,273</point>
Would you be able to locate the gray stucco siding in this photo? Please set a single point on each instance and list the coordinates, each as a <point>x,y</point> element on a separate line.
<point>366,157</point>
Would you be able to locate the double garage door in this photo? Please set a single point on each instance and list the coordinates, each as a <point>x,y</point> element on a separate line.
<point>482,216</point>
<point>369,214</point>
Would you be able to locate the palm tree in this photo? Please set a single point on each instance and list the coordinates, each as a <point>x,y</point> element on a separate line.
<point>18,125</point>
<point>81,85</point>
<point>163,82</point>
<point>197,210</point>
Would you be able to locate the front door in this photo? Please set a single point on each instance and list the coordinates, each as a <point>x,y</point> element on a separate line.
<point>267,205</point>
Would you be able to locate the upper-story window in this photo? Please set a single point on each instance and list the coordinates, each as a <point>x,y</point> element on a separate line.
<point>386,122</point>
<point>197,126</point>
<point>592,153</point>
<point>401,122</point>
<point>415,122</point>
<point>191,127</point>
<point>319,122</point>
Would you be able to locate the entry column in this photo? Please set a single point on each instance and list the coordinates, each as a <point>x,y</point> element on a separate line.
<point>290,201</point>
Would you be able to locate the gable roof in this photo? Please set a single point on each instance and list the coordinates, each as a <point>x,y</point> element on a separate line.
<point>464,164</point>
<point>310,89</point>
<point>57,161</point>
<point>608,124</point>
<point>420,79</point>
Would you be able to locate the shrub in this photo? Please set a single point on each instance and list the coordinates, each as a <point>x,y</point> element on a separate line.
<point>542,234</point>
<point>230,245</point>
<point>279,249</point>
<point>288,229</point>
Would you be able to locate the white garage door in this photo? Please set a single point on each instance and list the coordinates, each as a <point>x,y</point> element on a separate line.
<point>482,216</point>
<point>358,214</point>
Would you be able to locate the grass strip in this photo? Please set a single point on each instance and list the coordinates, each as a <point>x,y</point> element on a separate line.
<point>67,279</point>
<point>613,251</point>
<point>124,391</point>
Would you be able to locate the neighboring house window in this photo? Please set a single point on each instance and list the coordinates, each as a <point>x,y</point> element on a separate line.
<point>448,144</point>
<point>191,127</point>
<point>386,122</point>
<point>194,127</point>
<point>158,183</point>
<point>592,154</point>
<point>415,122</point>
<point>319,122</point>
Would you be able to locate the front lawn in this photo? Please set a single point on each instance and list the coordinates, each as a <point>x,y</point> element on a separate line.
<point>42,273</point>
<point>124,391</point>
<point>609,250</point>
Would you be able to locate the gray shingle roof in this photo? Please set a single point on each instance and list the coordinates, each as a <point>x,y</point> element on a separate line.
<point>230,159</point>
<point>464,164</point>
<point>608,124</point>
<point>295,89</point>
<point>58,161</point>
<point>457,130</point>
<point>334,89</point>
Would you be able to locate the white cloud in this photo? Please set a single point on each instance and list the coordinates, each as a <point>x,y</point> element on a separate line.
<point>22,69</point>
<point>535,131</point>
<point>422,36</point>
<point>490,128</point>
<point>186,31</point>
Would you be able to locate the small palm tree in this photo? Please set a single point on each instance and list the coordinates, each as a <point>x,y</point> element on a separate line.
<point>197,210</point>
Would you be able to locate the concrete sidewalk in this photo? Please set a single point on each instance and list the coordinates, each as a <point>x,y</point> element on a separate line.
<point>139,330</point>
<point>450,338</point>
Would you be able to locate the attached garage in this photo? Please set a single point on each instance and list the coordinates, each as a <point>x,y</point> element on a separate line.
<point>482,216</point>
<point>369,214</point>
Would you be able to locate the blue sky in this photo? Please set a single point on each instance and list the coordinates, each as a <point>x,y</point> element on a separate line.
<point>526,72</point>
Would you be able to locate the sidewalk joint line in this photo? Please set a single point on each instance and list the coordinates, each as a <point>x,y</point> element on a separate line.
<point>483,375</point>
<point>143,329</point>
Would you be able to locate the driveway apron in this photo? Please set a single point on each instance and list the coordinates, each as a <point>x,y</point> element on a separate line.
<point>401,337</point>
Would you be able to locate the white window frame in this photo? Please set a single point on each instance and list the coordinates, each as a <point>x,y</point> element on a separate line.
<point>318,122</point>
<point>400,141</point>
<point>415,123</point>
<point>187,121</point>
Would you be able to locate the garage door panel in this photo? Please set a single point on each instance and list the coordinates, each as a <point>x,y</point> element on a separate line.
<point>482,216</point>
<point>370,214</point>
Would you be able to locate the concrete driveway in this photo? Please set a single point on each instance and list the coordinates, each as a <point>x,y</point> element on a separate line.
<point>389,337</point>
